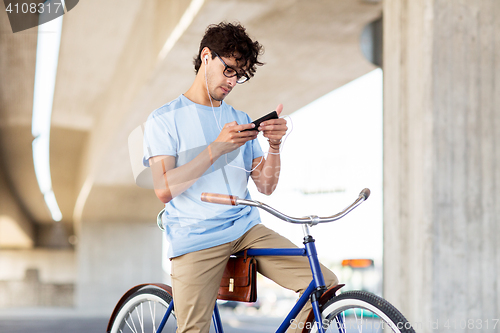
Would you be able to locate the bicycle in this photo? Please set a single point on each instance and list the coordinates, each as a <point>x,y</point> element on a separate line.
<point>150,307</point>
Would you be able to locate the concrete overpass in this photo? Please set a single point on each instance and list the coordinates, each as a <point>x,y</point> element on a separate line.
<point>441,152</point>
<point>113,71</point>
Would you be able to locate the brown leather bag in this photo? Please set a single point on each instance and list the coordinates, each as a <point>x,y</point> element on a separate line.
<point>239,282</point>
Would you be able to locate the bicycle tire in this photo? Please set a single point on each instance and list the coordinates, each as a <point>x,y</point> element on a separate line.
<point>361,311</point>
<point>143,312</point>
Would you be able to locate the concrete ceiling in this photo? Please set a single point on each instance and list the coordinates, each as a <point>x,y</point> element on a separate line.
<point>110,78</point>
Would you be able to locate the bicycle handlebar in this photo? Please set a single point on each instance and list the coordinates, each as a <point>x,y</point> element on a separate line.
<point>233,200</point>
<point>221,199</point>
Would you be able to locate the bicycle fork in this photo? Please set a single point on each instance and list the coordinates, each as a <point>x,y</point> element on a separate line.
<point>313,292</point>
<point>318,279</point>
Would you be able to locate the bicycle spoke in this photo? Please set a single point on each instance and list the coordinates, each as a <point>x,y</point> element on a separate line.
<point>379,325</point>
<point>140,317</point>
<point>362,310</point>
<point>363,315</point>
<point>150,305</point>
<point>133,322</point>
<point>356,320</point>
<point>340,323</point>
<point>126,321</point>
<point>153,315</point>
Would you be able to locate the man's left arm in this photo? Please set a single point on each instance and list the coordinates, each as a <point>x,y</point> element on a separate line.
<point>266,174</point>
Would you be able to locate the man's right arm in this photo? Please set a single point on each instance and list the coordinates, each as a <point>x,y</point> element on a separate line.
<point>170,181</point>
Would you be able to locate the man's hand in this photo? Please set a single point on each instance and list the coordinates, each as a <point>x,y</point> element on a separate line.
<point>274,129</point>
<point>231,137</point>
<point>266,172</point>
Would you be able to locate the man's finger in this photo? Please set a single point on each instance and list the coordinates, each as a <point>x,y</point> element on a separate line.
<point>273,127</point>
<point>233,123</point>
<point>245,126</point>
<point>242,140</point>
<point>279,121</point>
<point>246,134</point>
<point>279,108</point>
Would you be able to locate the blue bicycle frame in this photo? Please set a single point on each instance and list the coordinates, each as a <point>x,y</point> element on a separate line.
<point>317,286</point>
<point>313,291</point>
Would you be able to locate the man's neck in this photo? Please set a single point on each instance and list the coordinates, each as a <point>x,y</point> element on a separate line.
<point>198,93</point>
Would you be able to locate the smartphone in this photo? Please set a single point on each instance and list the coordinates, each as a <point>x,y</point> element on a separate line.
<point>272,115</point>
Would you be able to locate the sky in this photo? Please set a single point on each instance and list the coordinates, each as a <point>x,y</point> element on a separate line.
<point>333,151</point>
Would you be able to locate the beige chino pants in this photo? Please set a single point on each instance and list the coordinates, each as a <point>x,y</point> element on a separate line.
<point>196,277</point>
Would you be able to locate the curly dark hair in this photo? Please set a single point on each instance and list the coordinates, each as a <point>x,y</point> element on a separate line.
<point>230,40</point>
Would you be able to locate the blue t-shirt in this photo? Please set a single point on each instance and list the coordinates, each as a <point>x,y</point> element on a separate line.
<point>183,129</point>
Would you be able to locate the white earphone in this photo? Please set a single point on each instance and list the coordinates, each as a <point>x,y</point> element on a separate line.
<point>220,128</point>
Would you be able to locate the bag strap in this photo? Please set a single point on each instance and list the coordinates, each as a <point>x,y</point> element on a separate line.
<point>245,256</point>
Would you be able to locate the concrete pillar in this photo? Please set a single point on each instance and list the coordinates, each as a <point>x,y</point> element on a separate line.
<point>113,256</point>
<point>442,162</point>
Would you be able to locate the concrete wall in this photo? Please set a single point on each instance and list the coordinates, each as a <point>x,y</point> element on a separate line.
<point>38,277</point>
<point>442,161</point>
<point>113,256</point>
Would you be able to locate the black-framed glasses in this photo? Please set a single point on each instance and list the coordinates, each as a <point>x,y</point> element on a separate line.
<point>231,72</point>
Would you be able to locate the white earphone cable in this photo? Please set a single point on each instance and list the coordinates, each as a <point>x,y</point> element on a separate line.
<point>210,98</point>
<point>220,128</point>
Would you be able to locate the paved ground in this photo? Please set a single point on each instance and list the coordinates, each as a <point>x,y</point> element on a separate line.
<point>50,321</point>
<point>53,325</point>
<point>58,321</point>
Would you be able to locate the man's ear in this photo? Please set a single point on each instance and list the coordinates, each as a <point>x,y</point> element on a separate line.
<point>204,54</point>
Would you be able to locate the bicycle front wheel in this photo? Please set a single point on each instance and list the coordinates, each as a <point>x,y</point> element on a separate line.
<point>143,312</point>
<point>361,311</point>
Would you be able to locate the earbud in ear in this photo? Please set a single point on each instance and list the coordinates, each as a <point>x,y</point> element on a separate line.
<point>206,58</point>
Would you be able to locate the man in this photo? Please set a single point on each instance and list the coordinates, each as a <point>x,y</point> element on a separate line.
<point>197,143</point>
